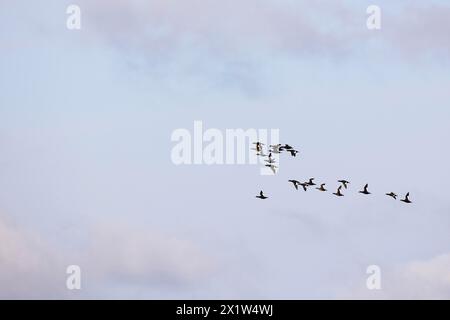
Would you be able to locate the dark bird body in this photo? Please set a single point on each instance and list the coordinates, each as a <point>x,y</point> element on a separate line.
<point>391,194</point>
<point>258,146</point>
<point>286,147</point>
<point>406,200</point>
<point>338,192</point>
<point>344,183</point>
<point>293,152</point>
<point>261,195</point>
<point>365,191</point>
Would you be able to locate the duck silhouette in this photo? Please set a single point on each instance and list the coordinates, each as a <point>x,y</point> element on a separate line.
<point>344,183</point>
<point>406,200</point>
<point>391,194</point>
<point>311,182</point>
<point>338,192</point>
<point>365,191</point>
<point>261,195</point>
<point>322,187</point>
<point>287,147</point>
<point>293,152</point>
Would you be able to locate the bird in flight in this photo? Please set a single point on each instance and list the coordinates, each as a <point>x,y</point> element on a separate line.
<point>365,191</point>
<point>344,183</point>
<point>270,158</point>
<point>276,148</point>
<point>286,147</point>
<point>293,152</point>
<point>271,163</point>
<point>258,147</point>
<point>261,195</point>
<point>406,200</point>
<point>296,183</point>
<point>338,192</point>
<point>391,194</point>
<point>272,167</point>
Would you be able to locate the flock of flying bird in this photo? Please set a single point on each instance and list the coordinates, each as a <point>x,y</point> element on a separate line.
<point>278,148</point>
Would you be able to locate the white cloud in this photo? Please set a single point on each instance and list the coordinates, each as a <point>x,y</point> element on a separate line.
<point>29,269</point>
<point>129,254</point>
<point>162,28</point>
<point>117,256</point>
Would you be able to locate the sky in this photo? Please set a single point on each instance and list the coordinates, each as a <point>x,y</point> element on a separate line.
<point>86,176</point>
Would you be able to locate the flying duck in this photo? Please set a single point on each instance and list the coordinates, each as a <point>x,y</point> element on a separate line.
<point>293,152</point>
<point>406,200</point>
<point>272,167</point>
<point>365,191</point>
<point>391,194</point>
<point>270,158</point>
<point>322,187</point>
<point>338,192</point>
<point>261,195</point>
<point>258,146</point>
<point>286,147</point>
<point>310,182</point>
<point>276,148</point>
<point>344,183</point>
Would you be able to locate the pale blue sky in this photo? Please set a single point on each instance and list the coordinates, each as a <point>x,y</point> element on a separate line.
<point>86,178</point>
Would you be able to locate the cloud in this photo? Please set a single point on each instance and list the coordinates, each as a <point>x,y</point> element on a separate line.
<point>29,269</point>
<point>125,254</point>
<point>419,30</point>
<point>163,25</point>
<point>428,279</point>
<point>162,31</point>
<point>117,256</point>
<point>162,28</point>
